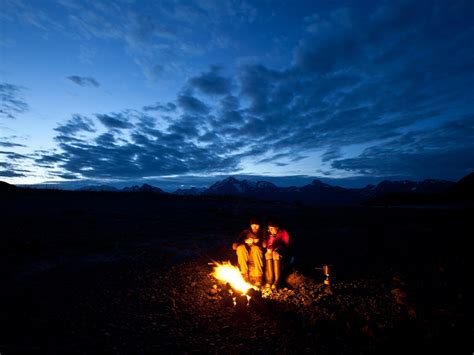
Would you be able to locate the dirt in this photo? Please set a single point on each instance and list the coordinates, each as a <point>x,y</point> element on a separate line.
<point>112,276</point>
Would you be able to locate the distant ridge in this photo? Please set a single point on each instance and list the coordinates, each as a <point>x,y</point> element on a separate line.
<point>193,191</point>
<point>459,192</point>
<point>464,188</point>
<point>321,194</point>
<point>98,188</point>
<point>134,188</point>
<point>387,187</point>
<point>317,193</point>
<point>5,186</point>
<point>143,188</point>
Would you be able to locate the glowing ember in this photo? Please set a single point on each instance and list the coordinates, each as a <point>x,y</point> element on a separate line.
<point>229,273</point>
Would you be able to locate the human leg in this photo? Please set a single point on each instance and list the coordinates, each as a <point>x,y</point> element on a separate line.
<point>268,269</point>
<point>242,259</point>
<point>276,268</point>
<point>256,272</point>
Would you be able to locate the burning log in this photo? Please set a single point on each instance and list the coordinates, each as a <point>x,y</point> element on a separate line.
<point>245,293</point>
<point>228,273</point>
<point>241,302</point>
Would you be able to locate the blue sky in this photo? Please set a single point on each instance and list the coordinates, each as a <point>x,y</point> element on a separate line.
<point>122,91</point>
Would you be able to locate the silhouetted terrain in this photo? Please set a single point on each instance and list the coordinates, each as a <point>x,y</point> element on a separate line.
<point>320,194</point>
<point>460,193</point>
<point>135,188</point>
<point>95,272</point>
<point>404,192</point>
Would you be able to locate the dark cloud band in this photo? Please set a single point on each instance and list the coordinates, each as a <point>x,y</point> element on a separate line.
<point>84,81</point>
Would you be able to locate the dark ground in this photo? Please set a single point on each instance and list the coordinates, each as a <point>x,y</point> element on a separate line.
<point>128,273</point>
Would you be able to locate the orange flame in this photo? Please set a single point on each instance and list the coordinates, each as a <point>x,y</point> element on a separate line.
<point>229,273</point>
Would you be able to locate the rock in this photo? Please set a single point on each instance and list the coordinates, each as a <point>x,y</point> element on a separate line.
<point>399,295</point>
<point>367,331</point>
<point>328,291</point>
<point>398,281</point>
<point>412,312</point>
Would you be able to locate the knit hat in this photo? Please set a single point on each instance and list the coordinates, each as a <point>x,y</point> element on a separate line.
<point>272,223</point>
<point>254,220</point>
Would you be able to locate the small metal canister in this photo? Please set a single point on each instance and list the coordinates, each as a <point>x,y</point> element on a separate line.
<point>326,272</point>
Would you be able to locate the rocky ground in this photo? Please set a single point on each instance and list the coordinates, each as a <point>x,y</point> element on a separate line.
<point>148,308</point>
<point>132,291</point>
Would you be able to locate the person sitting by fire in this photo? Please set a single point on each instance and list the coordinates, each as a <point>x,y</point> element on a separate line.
<point>248,247</point>
<point>277,242</point>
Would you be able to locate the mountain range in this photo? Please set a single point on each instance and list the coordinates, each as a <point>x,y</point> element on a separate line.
<point>318,193</point>
<point>134,188</point>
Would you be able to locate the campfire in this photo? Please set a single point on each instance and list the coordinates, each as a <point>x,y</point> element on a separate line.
<point>228,273</point>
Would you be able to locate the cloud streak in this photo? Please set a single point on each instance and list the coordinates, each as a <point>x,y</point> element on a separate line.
<point>157,36</point>
<point>447,151</point>
<point>84,81</point>
<point>11,101</point>
<point>151,152</point>
<point>12,164</point>
<point>168,107</point>
<point>76,123</point>
<point>115,120</point>
<point>211,83</point>
<point>11,144</point>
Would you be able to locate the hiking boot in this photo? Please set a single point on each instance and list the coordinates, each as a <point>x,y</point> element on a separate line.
<point>276,272</point>
<point>256,281</point>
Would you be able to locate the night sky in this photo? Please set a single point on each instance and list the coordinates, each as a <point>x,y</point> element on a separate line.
<point>126,91</point>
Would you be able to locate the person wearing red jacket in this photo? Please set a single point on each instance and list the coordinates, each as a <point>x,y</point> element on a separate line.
<point>248,247</point>
<point>277,241</point>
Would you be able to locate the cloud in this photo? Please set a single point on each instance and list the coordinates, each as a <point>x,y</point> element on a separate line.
<point>351,86</point>
<point>11,145</point>
<point>68,176</point>
<point>445,152</point>
<point>192,104</point>
<point>214,13</point>
<point>143,35</point>
<point>152,71</point>
<point>14,166</point>
<point>274,157</point>
<point>258,83</point>
<point>144,28</point>
<point>13,155</point>
<point>143,149</point>
<point>75,124</point>
<point>26,13</point>
<point>11,101</point>
<point>49,160</point>
<point>159,36</point>
<point>211,83</point>
<point>9,173</point>
<point>168,107</point>
<point>394,78</point>
<point>115,120</point>
<point>331,153</point>
<point>84,81</point>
